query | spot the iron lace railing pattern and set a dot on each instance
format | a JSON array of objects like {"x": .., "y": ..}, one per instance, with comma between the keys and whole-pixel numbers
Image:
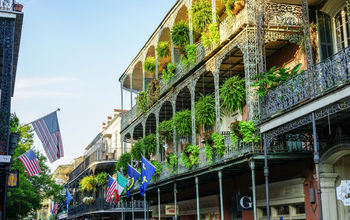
[
  {"x": 7, "y": 5},
  {"x": 322, "y": 78}
]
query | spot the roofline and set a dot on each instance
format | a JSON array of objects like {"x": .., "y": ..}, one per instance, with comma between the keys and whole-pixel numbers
[{"x": 149, "y": 39}]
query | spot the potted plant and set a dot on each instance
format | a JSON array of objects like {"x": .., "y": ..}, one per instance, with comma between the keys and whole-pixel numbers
[
  {"x": 172, "y": 162},
  {"x": 190, "y": 155},
  {"x": 233, "y": 7},
  {"x": 17, "y": 7}
]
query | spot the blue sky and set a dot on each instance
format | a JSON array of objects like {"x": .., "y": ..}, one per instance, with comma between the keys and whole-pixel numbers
[{"x": 71, "y": 56}]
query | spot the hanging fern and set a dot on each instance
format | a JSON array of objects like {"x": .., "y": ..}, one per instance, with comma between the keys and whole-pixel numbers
[
  {"x": 180, "y": 35},
  {"x": 101, "y": 179},
  {"x": 163, "y": 49},
  {"x": 190, "y": 155},
  {"x": 137, "y": 150},
  {"x": 168, "y": 72},
  {"x": 172, "y": 160},
  {"x": 214, "y": 146},
  {"x": 233, "y": 94},
  {"x": 182, "y": 122},
  {"x": 141, "y": 102},
  {"x": 165, "y": 129},
  {"x": 212, "y": 36},
  {"x": 205, "y": 110},
  {"x": 149, "y": 144},
  {"x": 158, "y": 166},
  {"x": 244, "y": 131},
  {"x": 190, "y": 56},
  {"x": 87, "y": 184},
  {"x": 150, "y": 65},
  {"x": 153, "y": 92},
  {"x": 201, "y": 14},
  {"x": 122, "y": 163}
]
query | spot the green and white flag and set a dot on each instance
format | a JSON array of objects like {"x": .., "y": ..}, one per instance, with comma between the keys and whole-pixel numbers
[{"x": 121, "y": 184}]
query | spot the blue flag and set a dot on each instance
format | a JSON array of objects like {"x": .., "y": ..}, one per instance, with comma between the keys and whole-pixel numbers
[
  {"x": 133, "y": 176},
  {"x": 147, "y": 171},
  {"x": 68, "y": 198}
]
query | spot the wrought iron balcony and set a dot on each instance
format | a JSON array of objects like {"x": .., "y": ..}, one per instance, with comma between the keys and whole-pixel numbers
[
  {"x": 315, "y": 82},
  {"x": 10, "y": 5}
]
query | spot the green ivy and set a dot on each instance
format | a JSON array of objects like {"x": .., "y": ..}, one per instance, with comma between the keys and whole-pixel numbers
[
  {"x": 150, "y": 64},
  {"x": 190, "y": 155},
  {"x": 182, "y": 122},
  {"x": 201, "y": 14},
  {"x": 163, "y": 49},
  {"x": 244, "y": 130},
  {"x": 273, "y": 78},
  {"x": 101, "y": 179},
  {"x": 212, "y": 37},
  {"x": 141, "y": 102},
  {"x": 180, "y": 35},
  {"x": 172, "y": 162},
  {"x": 123, "y": 161},
  {"x": 205, "y": 110},
  {"x": 165, "y": 129},
  {"x": 233, "y": 94},
  {"x": 158, "y": 166},
  {"x": 168, "y": 72}
]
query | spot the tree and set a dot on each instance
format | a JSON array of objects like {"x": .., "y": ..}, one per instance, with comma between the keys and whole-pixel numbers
[{"x": 27, "y": 198}]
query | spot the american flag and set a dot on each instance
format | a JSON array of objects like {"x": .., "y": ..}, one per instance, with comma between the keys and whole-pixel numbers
[
  {"x": 30, "y": 162},
  {"x": 53, "y": 207},
  {"x": 112, "y": 187},
  {"x": 49, "y": 133}
]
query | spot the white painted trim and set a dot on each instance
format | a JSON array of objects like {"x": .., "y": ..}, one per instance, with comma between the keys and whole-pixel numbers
[
  {"x": 7, "y": 15},
  {"x": 306, "y": 109}
]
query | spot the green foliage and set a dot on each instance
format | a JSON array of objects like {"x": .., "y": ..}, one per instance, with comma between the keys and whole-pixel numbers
[
  {"x": 201, "y": 13},
  {"x": 101, "y": 179},
  {"x": 180, "y": 35},
  {"x": 168, "y": 72},
  {"x": 87, "y": 184},
  {"x": 244, "y": 130},
  {"x": 273, "y": 78},
  {"x": 153, "y": 92},
  {"x": 14, "y": 123},
  {"x": 163, "y": 49},
  {"x": 233, "y": 94},
  {"x": 122, "y": 163},
  {"x": 150, "y": 65},
  {"x": 172, "y": 162},
  {"x": 141, "y": 102},
  {"x": 182, "y": 122},
  {"x": 190, "y": 56},
  {"x": 158, "y": 166},
  {"x": 150, "y": 145},
  {"x": 205, "y": 110},
  {"x": 189, "y": 156},
  {"x": 27, "y": 197},
  {"x": 165, "y": 129},
  {"x": 233, "y": 6},
  {"x": 215, "y": 146},
  {"x": 137, "y": 150},
  {"x": 212, "y": 37}
]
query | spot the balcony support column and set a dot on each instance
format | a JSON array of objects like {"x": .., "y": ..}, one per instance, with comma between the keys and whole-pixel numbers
[
  {"x": 307, "y": 36},
  {"x": 213, "y": 8},
  {"x": 193, "y": 118},
  {"x": 156, "y": 73},
  {"x": 197, "y": 197},
  {"x": 144, "y": 206},
  {"x": 173, "y": 103},
  {"x": 172, "y": 51},
  {"x": 266, "y": 174},
  {"x": 221, "y": 195},
  {"x": 143, "y": 79},
  {"x": 217, "y": 101},
  {"x": 252, "y": 167},
  {"x": 158, "y": 203},
  {"x": 122, "y": 96},
  {"x": 132, "y": 208},
  {"x": 131, "y": 101},
  {"x": 122, "y": 210},
  {"x": 131, "y": 143},
  {"x": 190, "y": 27},
  {"x": 157, "y": 135},
  {"x": 175, "y": 201}
]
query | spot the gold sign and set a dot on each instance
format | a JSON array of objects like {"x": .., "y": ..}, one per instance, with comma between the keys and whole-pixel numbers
[
  {"x": 170, "y": 209},
  {"x": 13, "y": 179}
]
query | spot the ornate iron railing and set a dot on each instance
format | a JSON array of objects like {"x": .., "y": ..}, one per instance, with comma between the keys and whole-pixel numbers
[
  {"x": 312, "y": 83},
  {"x": 7, "y": 5}
]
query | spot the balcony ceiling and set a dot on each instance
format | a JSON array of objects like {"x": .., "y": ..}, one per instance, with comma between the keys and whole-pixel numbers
[{"x": 297, "y": 2}]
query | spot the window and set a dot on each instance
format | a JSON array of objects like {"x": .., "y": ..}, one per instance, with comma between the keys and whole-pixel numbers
[
  {"x": 324, "y": 34},
  {"x": 342, "y": 29}
]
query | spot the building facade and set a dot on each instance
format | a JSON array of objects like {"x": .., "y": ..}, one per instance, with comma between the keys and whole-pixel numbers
[
  {"x": 11, "y": 19},
  {"x": 299, "y": 167}
]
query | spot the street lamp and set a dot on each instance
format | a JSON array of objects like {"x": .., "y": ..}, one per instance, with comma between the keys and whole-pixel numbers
[{"x": 13, "y": 142}]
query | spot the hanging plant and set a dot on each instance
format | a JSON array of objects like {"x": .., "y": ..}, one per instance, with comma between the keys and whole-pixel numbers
[
  {"x": 101, "y": 179},
  {"x": 88, "y": 200},
  {"x": 150, "y": 65},
  {"x": 233, "y": 7},
  {"x": 201, "y": 14},
  {"x": 122, "y": 163},
  {"x": 87, "y": 184},
  {"x": 205, "y": 110},
  {"x": 149, "y": 144},
  {"x": 165, "y": 129},
  {"x": 153, "y": 92},
  {"x": 189, "y": 156},
  {"x": 172, "y": 162},
  {"x": 137, "y": 150},
  {"x": 158, "y": 166},
  {"x": 141, "y": 102},
  {"x": 163, "y": 49},
  {"x": 233, "y": 94},
  {"x": 190, "y": 55},
  {"x": 168, "y": 72},
  {"x": 244, "y": 131},
  {"x": 214, "y": 146},
  {"x": 180, "y": 35},
  {"x": 273, "y": 78},
  {"x": 182, "y": 122},
  {"x": 211, "y": 36}
]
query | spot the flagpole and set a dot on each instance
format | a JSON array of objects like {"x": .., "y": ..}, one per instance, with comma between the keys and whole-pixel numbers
[
  {"x": 57, "y": 110},
  {"x": 144, "y": 206}
]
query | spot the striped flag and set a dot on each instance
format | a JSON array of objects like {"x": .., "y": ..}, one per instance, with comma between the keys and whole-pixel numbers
[
  {"x": 121, "y": 184},
  {"x": 112, "y": 186},
  {"x": 49, "y": 133},
  {"x": 53, "y": 207},
  {"x": 30, "y": 162}
]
